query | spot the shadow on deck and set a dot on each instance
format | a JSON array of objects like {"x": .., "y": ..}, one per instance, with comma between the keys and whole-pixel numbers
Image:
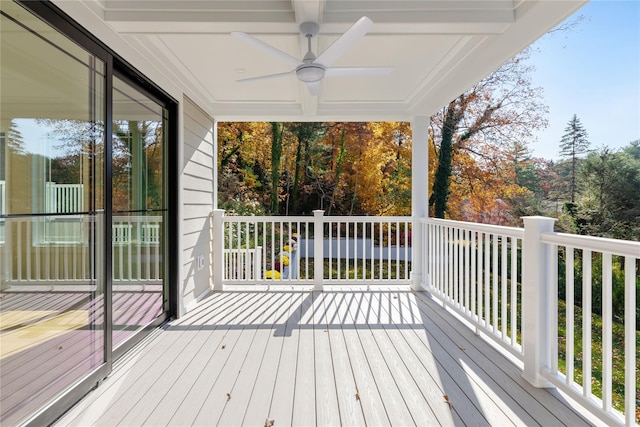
[{"x": 332, "y": 358}]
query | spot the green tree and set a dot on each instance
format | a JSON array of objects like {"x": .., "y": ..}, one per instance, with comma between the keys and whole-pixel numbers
[
  {"x": 484, "y": 121},
  {"x": 609, "y": 203},
  {"x": 574, "y": 143}
]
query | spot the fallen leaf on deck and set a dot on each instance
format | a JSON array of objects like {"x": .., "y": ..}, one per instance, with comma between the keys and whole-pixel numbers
[
  {"x": 446, "y": 399},
  {"x": 357, "y": 396},
  {"x": 269, "y": 423},
  {"x": 462, "y": 348},
  {"x": 223, "y": 347},
  {"x": 228, "y": 397}
]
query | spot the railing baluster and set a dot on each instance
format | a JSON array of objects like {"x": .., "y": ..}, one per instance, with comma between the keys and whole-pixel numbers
[
  {"x": 454, "y": 266},
  {"x": 372, "y": 230},
  {"x": 406, "y": 250},
  {"x": 552, "y": 303},
  {"x": 473, "y": 255},
  {"x": 569, "y": 313},
  {"x": 494, "y": 291},
  {"x": 388, "y": 250},
  {"x": 586, "y": 323},
  {"x": 397, "y": 250},
  {"x": 503, "y": 287},
  {"x": 607, "y": 299},
  {"x": 514, "y": 291},
  {"x": 480, "y": 276},
  {"x": 630, "y": 344},
  {"x": 466, "y": 234},
  {"x": 487, "y": 280}
]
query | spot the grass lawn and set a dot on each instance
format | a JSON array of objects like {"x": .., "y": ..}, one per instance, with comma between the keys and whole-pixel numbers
[{"x": 596, "y": 355}]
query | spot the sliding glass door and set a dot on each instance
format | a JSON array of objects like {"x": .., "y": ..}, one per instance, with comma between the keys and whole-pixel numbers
[
  {"x": 84, "y": 212},
  {"x": 139, "y": 210},
  {"x": 52, "y": 218}
]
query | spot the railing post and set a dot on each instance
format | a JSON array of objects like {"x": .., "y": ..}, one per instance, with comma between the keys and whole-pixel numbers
[
  {"x": 536, "y": 339},
  {"x": 318, "y": 250},
  {"x": 217, "y": 249}
]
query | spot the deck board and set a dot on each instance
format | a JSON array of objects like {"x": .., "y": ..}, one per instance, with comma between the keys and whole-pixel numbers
[
  {"x": 300, "y": 358},
  {"x": 304, "y": 398},
  {"x": 545, "y": 407},
  {"x": 235, "y": 408},
  {"x": 257, "y": 408},
  {"x": 370, "y": 400},
  {"x": 281, "y": 405},
  {"x": 348, "y": 397}
]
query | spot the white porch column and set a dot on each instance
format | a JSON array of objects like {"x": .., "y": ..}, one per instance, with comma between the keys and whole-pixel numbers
[
  {"x": 215, "y": 164},
  {"x": 536, "y": 342},
  {"x": 217, "y": 250},
  {"x": 419, "y": 198}
]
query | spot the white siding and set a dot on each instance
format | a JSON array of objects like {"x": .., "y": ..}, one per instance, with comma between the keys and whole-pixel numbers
[{"x": 197, "y": 201}]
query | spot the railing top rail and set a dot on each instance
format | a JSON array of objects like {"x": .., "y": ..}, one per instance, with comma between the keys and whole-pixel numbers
[
  {"x": 364, "y": 218},
  {"x": 483, "y": 228},
  {"x": 310, "y": 218},
  {"x": 596, "y": 244},
  {"x": 263, "y": 218}
]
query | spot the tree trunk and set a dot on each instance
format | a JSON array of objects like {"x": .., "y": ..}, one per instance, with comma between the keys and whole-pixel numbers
[
  {"x": 341, "y": 154},
  {"x": 303, "y": 147},
  {"x": 355, "y": 185},
  {"x": 276, "y": 153},
  {"x": 443, "y": 172}
]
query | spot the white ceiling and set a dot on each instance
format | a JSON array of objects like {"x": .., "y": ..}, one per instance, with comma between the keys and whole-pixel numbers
[{"x": 438, "y": 49}]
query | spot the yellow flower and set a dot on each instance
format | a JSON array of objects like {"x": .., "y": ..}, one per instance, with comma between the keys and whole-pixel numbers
[
  {"x": 272, "y": 274},
  {"x": 286, "y": 248},
  {"x": 284, "y": 259}
]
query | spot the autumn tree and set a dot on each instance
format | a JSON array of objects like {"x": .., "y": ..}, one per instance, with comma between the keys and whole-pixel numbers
[
  {"x": 480, "y": 123},
  {"x": 307, "y": 135},
  {"x": 574, "y": 143}
]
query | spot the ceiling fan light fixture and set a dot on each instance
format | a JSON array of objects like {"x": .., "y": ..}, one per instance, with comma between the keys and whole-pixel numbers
[{"x": 310, "y": 73}]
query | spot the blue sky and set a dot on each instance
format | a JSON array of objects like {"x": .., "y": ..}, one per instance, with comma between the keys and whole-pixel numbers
[{"x": 593, "y": 71}]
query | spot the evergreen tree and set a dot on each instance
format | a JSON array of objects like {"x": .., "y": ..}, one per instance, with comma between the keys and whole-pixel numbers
[{"x": 573, "y": 144}]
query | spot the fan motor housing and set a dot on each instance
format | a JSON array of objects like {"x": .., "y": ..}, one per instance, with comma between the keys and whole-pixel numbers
[{"x": 310, "y": 72}]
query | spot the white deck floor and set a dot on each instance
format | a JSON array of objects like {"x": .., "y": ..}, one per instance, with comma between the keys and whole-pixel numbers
[{"x": 333, "y": 358}]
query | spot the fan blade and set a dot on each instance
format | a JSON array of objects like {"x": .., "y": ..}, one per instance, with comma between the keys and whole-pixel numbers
[
  {"x": 345, "y": 41},
  {"x": 268, "y": 77},
  {"x": 314, "y": 88},
  {"x": 357, "y": 71},
  {"x": 267, "y": 48}
]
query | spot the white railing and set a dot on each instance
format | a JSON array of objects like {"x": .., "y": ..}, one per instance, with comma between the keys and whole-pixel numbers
[
  {"x": 506, "y": 282},
  {"x": 594, "y": 271},
  {"x": 137, "y": 255},
  {"x": 3, "y": 208},
  {"x": 3, "y": 198},
  {"x": 244, "y": 264},
  {"x": 476, "y": 270},
  {"x": 369, "y": 250},
  {"x": 314, "y": 250},
  {"x": 264, "y": 250},
  {"x": 64, "y": 198},
  {"x": 64, "y": 260}
]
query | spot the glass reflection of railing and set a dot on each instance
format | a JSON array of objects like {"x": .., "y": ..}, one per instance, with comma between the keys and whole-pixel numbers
[
  {"x": 56, "y": 249},
  {"x": 3, "y": 209}
]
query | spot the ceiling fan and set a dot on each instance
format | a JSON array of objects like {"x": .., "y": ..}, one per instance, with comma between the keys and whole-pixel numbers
[{"x": 311, "y": 69}]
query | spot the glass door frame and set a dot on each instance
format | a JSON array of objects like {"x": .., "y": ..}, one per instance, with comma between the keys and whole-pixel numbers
[
  {"x": 51, "y": 14},
  {"x": 120, "y": 71}
]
